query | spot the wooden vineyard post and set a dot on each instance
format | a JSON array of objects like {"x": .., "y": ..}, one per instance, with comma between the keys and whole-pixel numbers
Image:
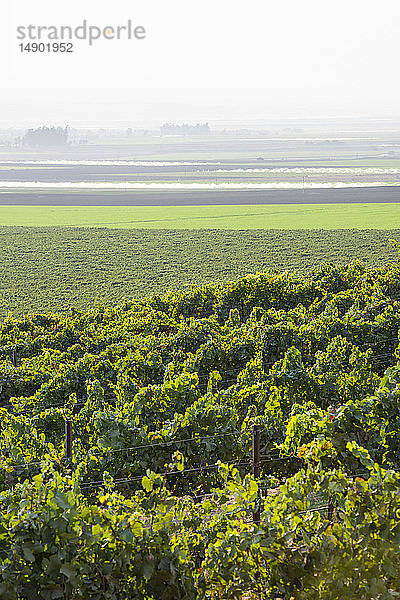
[
  {"x": 68, "y": 441},
  {"x": 330, "y": 509},
  {"x": 14, "y": 358},
  {"x": 256, "y": 467}
]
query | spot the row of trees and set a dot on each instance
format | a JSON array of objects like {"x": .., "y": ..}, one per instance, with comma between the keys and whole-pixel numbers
[
  {"x": 45, "y": 137},
  {"x": 185, "y": 129},
  {"x": 58, "y": 136}
]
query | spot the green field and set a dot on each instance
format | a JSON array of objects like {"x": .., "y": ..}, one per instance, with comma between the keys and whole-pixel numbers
[
  {"x": 49, "y": 269},
  {"x": 287, "y": 216}
]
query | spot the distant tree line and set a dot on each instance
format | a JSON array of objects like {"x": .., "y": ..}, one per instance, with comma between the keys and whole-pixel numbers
[
  {"x": 46, "y": 136},
  {"x": 185, "y": 129}
]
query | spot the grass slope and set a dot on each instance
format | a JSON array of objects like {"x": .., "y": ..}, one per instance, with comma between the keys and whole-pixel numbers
[
  {"x": 50, "y": 269},
  {"x": 300, "y": 216}
]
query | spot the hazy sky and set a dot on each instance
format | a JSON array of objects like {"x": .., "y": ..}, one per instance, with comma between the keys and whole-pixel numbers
[{"x": 213, "y": 59}]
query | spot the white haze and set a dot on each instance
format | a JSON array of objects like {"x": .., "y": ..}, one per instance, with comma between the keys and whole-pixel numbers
[
  {"x": 313, "y": 171},
  {"x": 96, "y": 185},
  {"x": 209, "y": 60},
  {"x": 109, "y": 163}
]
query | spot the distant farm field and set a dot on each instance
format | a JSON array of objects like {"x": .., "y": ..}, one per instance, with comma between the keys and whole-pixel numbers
[
  {"x": 234, "y": 217},
  {"x": 51, "y": 269}
]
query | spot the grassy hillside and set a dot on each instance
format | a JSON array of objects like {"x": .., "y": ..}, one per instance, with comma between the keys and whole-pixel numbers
[
  {"x": 49, "y": 269},
  {"x": 374, "y": 215}
]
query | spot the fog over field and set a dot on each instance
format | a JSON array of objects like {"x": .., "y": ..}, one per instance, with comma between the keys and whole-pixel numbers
[
  {"x": 219, "y": 62},
  {"x": 131, "y": 166}
]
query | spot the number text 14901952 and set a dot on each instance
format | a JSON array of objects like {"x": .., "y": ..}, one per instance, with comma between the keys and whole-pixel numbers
[{"x": 46, "y": 47}]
